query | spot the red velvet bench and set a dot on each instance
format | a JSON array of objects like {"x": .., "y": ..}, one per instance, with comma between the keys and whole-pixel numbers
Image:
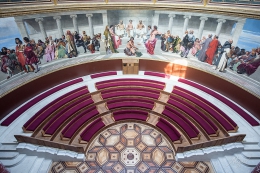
[
  {"x": 40, "y": 97},
  {"x": 130, "y": 102},
  {"x": 236, "y": 108},
  {"x": 130, "y": 114},
  {"x": 46, "y": 111},
  {"x": 173, "y": 134},
  {"x": 163, "y": 75},
  {"x": 103, "y": 74}
]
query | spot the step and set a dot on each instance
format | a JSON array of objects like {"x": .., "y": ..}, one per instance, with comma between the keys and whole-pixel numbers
[
  {"x": 225, "y": 165},
  {"x": 237, "y": 166},
  {"x": 37, "y": 165},
  {"x": 252, "y": 147},
  {"x": 45, "y": 166},
  {"x": 216, "y": 166},
  {"x": 8, "y": 155},
  {"x": 246, "y": 161},
  {"x": 13, "y": 162},
  {"x": 24, "y": 166},
  {"x": 8, "y": 147},
  {"x": 251, "y": 154}
]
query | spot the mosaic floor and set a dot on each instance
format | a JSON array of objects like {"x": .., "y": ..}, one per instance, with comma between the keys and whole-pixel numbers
[{"x": 130, "y": 148}]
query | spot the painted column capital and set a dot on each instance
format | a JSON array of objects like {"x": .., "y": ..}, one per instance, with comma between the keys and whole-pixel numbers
[
  {"x": 221, "y": 20},
  {"x": 89, "y": 15},
  {"x": 187, "y": 17},
  {"x": 39, "y": 20},
  {"x": 172, "y": 15},
  {"x": 57, "y": 17},
  {"x": 203, "y": 18},
  {"x": 73, "y": 16}
]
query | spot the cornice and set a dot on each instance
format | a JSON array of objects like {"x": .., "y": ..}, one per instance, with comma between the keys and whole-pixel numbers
[{"x": 232, "y": 10}]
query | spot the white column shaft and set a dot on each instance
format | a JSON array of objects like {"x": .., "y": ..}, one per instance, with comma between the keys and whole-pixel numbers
[
  {"x": 186, "y": 23},
  {"x": 105, "y": 21},
  {"x": 22, "y": 29},
  {"x": 202, "y": 23},
  {"x": 58, "y": 21},
  {"x": 90, "y": 26},
  {"x": 156, "y": 19},
  {"x": 237, "y": 32},
  {"x": 170, "y": 23},
  {"x": 75, "y": 23},
  {"x": 218, "y": 29}
]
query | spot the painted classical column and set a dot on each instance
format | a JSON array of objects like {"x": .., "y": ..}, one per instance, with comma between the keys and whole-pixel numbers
[
  {"x": 40, "y": 20},
  {"x": 90, "y": 25},
  {"x": 202, "y": 23},
  {"x": 186, "y": 22},
  {"x": 22, "y": 29},
  {"x": 105, "y": 21},
  {"x": 220, "y": 22},
  {"x": 60, "y": 31},
  {"x": 156, "y": 19},
  {"x": 75, "y": 22},
  {"x": 171, "y": 16},
  {"x": 238, "y": 30}
]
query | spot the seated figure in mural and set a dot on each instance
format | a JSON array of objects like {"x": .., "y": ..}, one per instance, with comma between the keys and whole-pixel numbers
[
  {"x": 71, "y": 47},
  {"x": 109, "y": 44},
  {"x": 140, "y": 29},
  {"x": 244, "y": 63},
  {"x": 6, "y": 64},
  {"x": 79, "y": 41},
  {"x": 19, "y": 53},
  {"x": 237, "y": 61},
  {"x": 226, "y": 52},
  {"x": 130, "y": 29},
  {"x": 120, "y": 29},
  {"x": 131, "y": 49},
  {"x": 31, "y": 59},
  {"x": 115, "y": 38},
  {"x": 151, "y": 42}
]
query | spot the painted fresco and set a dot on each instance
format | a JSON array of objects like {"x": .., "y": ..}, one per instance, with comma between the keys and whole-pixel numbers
[{"x": 34, "y": 40}]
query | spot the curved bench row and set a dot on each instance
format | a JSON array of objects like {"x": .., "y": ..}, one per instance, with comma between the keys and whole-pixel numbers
[
  {"x": 236, "y": 108},
  {"x": 40, "y": 97}
]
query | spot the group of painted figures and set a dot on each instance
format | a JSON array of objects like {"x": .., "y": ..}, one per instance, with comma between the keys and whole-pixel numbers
[{"x": 28, "y": 54}]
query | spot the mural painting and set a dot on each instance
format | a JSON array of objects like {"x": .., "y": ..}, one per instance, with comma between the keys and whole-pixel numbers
[{"x": 225, "y": 42}]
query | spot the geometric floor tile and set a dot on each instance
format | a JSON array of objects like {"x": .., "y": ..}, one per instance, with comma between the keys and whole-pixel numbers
[{"x": 130, "y": 148}]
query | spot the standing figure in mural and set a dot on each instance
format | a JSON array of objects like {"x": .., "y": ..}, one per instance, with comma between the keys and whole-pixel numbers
[
  {"x": 120, "y": 29},
  {"x": 19, "y": 53},
  {"x": 6, "y": 63},
  {"x": 31, "y": 59},
  {"x": 61, "y": 47},
  {"x": 147, "y": 35},
  {"x": 71, "y": 47},
  {"x": 223, "y": 57},
  {"x": 39, "y": 51},
  {"x": 188, "y": 42},
  {"x": 130, "y": 29},
  {"x": 176, "y": 44},
  {"x": 84, "y": 38},
  {"x": 151, "y": 42},
  {"x": 109, "y": 44},
  {"x": 49, "y": 51},
  {"x": 115, "y": 38},
  {"x": 96, "y": 41},
  {"x": 79, "y": 41},
  {"x": 210, "y": 53},
  {"x": 196, "y": 47},
  {"x": 169, "y": 41},
  {"x": 205, "y": 45},
  {"x": 140, "y": 29},
  {"x": 12, "y": 56}
]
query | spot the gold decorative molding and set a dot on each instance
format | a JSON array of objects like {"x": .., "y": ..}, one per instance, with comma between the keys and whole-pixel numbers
[{"x": 231, "y": 10}]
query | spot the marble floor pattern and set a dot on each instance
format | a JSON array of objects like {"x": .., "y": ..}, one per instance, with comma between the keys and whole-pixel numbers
[{"x": 130, "y": 148}]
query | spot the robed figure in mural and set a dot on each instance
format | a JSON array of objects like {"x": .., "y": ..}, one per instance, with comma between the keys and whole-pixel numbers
[
  {"x": 210, "y": 53},
  {"x": 151, "y": 42},
  {"x": 205, "y": 44},
  {"x": 31, "y": 59},
  {"x": 19, "y": 53},
  {"x": 109, "y": 44},
  {"x": 71, "y": 47}
]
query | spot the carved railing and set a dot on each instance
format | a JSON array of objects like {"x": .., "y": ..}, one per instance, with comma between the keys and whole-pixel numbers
[
  {"x": 52, "y": 144},
  {"x": 217, "y": 142}
]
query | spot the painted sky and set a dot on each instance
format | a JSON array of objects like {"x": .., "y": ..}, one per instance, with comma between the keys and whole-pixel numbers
[{"x": 249, "y": 38}]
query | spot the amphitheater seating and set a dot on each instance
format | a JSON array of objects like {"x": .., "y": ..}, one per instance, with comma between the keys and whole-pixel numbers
[
  {"x": 46, "y": 111},
  {"x": 78, "y": 121},
  {"x": 216, "y": 113},
  {"x": 194, "y": 115},
  {"x": 163, "y": 75},
  {"x": 103, "y": 74},
  {"x": 65, "y": 114},
  {"x": 130, "y": 102},
  {"x": 40, "y": 97},
  {"x": 130, "y": 82},
  {"x": 168, "y": 129},
  {"x": 90, "y": 131},
  {"x": 183, "y": 122},
  {"x": 236, "y": 108},
  {"x": 122, "y": 91},
  {"x": 130, "y": 114}
]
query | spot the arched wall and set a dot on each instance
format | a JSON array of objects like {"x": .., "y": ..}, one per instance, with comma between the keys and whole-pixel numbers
[{"x": 23, "y": 93}]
